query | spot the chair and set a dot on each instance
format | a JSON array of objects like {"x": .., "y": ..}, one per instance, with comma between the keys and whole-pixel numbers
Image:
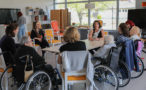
[
  {"x": 55, "y": 27},
  {"x": 74, "y": 65},
  {"x": 50, "y": 37}
]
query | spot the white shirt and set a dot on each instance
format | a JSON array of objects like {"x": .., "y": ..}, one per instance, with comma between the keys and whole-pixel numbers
[{"x": 135, "y": 37}]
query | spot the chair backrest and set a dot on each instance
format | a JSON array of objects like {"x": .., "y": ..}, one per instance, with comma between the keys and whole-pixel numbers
[
  {"x": 54, "y": 25},
  {"x": 2, "y": 62},
  {"x": 49, "y": 33},
  {"x": 74, "y": 60}
]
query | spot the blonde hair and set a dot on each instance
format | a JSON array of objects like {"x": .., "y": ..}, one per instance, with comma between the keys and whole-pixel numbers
[
  {"x": 71, "y": 35},
  {"x": 134, "y": 31},
  {"x": 109, "y": 39}
]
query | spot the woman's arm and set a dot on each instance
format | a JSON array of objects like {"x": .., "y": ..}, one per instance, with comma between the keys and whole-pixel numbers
[
  {"x": 90, "y": 36},
  {"x": 102, "y": 34}
]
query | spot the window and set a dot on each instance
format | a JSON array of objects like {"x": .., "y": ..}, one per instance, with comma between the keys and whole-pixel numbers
[
  {"x": 79, "y": 14},
  {"x": 124, "y": 5},
  {"x": 105, "y": 10}
]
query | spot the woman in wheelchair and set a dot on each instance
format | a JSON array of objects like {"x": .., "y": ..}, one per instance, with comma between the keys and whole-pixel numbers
[
  {"x": 124, "y": 34},
  {"x": 38, "y": 62},
  {"x": 134, "y": 33},
  {"x": 104, "y": 50},
  {"x": 8, "y": 44}
]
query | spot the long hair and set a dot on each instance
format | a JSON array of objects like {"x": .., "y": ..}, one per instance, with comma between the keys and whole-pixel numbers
[
  {"x": 124, "y": 29},
  {"x": 98, "y": 21}
]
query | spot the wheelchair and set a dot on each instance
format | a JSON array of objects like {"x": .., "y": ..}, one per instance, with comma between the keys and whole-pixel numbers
[
  {"x": 39, "y": 80},
  {"x": 115, "y": 76},
  {"x": 134, "y": 73}
]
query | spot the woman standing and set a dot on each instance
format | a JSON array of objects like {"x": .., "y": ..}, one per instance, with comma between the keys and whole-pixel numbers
[
  {"x": 21, "y": 23},
  {"x": 97, "y": 33}
]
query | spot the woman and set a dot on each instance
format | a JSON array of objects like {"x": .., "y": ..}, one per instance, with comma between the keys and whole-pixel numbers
[
  {"x": 7, "y": 43},
  {"x": 130, "y": 24},
  {"x": 134, "y": 33},
  {"x": 38, "y": 35},
  {"x": 21, "y": 22},
  {"x": 71, "y": 37},
  {"x": 97, "y": 33},
  {"x": 38, "y": 62},
  {"x": 124, "y": 33}
]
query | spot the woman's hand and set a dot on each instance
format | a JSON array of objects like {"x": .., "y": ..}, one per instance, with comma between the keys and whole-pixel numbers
[{"x": 40, "y": 39}]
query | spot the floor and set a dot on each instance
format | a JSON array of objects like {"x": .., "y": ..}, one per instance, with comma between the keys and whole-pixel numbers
[{"x": 135, "y": 84}]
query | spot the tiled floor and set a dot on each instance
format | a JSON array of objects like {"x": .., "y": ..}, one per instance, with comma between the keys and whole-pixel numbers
[{"x": 135, "y": 84}]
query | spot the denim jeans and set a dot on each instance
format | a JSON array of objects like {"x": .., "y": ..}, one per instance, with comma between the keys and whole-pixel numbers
[{"x": 21, "y": 32}]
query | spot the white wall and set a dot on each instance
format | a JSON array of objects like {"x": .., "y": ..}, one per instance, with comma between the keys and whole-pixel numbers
[
  {"x": 22, "y": 4},
  {"x": 139, "y": 3}
]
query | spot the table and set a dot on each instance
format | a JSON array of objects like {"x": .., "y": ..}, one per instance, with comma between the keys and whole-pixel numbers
[
  {"x": 89, "y": 45},
  {"x": 52, "y": 52}
]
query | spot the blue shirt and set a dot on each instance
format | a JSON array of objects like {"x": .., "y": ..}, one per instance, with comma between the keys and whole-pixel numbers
[{"x": 121, "y": 39}]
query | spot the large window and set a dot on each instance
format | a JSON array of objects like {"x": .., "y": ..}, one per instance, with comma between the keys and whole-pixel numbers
[
  {"x": 105, "y": 10},
  {"x": 79, "y": 14}
]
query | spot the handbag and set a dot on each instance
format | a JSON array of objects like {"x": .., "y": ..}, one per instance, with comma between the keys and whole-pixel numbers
[{"x": 27, "y": 74}]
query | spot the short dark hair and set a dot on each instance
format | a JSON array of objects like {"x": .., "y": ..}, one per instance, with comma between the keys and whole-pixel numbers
[
  {"x": 124, "y": 29},
  {"x": 10, "y": 28}
]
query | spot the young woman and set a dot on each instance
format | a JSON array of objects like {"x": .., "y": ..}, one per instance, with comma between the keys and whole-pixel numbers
[
  {"x": 97, "y": 33},
  {"x": 7, "y": 43},
  {"x": 124, "y": 33},
  {"x": 38, "y": 35}
]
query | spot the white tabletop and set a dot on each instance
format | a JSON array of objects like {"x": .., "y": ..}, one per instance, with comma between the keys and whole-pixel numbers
[{"x": 89, "y": 45}]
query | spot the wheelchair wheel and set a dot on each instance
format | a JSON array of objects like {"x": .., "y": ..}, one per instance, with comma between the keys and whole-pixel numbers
[
  {"x": 123, "y": 74},
  {"x": 105, "y": 78},
  {"x": 7, "y": 81},
  {"x": 39, "y": 81},
  {"x": 136, "y": 74}
]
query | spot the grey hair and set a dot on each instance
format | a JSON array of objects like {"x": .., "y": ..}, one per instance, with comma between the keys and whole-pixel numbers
[
  {"x": 24, "y": 40},
  {"x": 109, "y": 39}
]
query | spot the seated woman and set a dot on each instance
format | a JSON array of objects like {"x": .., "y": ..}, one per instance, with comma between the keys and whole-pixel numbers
[
  {"x": 38, "y": 35},
  {"x": 38, "y": 62},
  {"x": 8, "y": 44},
  {"x": 108, "y": 44},
  {"x": 124, "y": 34},
  {"x": 97, "y": 33},
  {"x": 130, "y": 24},
  {"x": 134, "y": 32},
  {"x": 72, "y": 37}
]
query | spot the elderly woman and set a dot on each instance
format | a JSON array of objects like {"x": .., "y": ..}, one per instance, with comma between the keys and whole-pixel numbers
[
  {"x": 38, "y": 62},
  {"x": 72, "y": 37},
  {"x": 97, "y": 33},
  {"x": 72, "y": 43},
  {"x": 130, "y": 24},
  {"x": 134, "y": 33}
]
